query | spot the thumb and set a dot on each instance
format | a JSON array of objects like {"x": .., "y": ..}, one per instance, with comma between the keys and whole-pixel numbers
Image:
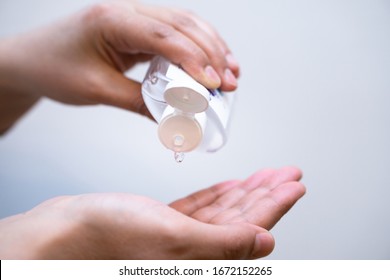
[
  {"x": 233, "y": 241},
  {"x": 121, "y": 92}
]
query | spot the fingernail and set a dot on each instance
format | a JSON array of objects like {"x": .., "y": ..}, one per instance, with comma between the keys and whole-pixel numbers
[
  {"x": 231, "y": 60},
  {"x": 264, "y": 244},
  {"x": 213, "y": 77},
  {"x": 230, "y": 78}
]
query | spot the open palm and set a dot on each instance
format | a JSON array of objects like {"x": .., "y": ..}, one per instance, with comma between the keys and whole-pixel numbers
[{"x": 227, "y": 221}]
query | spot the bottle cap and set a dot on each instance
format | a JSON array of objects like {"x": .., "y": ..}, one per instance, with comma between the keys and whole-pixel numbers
[
  {"x": 187, "y": 95},
  {"x": 180, "y": 133}
]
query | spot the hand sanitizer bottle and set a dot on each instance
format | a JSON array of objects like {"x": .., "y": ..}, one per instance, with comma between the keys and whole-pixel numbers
[{"x": 190, "y": 116}]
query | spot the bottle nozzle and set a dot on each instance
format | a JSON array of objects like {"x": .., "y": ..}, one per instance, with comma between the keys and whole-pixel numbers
[{"x": 180, "y": 133}]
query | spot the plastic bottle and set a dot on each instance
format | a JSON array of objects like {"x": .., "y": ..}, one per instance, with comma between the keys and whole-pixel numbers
[{"x": 190, "y": 116}]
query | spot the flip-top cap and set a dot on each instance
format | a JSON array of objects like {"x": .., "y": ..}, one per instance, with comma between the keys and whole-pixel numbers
[
  {"x": 187, "y": 95},
  {"x": 180, "y": 133}
]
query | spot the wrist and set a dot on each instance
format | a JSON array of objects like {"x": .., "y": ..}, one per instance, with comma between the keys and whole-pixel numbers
[
  {"x": 41, "y": 233},
  {"x": 15, "y": 95},
  {"x": 12, "y": 61}
]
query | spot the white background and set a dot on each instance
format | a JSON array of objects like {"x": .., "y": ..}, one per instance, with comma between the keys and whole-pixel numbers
[
  {"x": 314, "y": 93},
  {"x": 215, "y": 269}
]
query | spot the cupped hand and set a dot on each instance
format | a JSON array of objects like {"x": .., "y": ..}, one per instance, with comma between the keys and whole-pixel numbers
[
  {"x": 227, "y": 221},
  {"x": 261, "y": 200}
]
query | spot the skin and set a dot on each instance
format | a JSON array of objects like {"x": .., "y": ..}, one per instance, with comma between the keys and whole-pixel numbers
[
  {"x": 81, "y": 60},
  {"x": 227, "y": 221}
]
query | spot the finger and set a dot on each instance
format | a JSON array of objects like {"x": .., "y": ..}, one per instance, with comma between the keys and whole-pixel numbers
[
  {"x": 162, "y": 39},
  {"x": 204, "y": 36},
  {"x": 113, "y": 88},
  {"x": 233, "y": 241},
  {"x": 230, "y": 203},
  {"x": 232, "y": 62},
  {"x": 202, "y": 198},
  {"x": 263, "y": 208},
  {"x": 271, "y": 177},
  {"x": 190, "y": 25},
  {"x": 280, "y": 201},
  {"x": 228, "y": 82}
]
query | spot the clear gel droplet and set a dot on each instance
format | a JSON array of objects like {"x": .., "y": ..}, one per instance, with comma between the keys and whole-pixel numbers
[{"x": 179, "y": 156}]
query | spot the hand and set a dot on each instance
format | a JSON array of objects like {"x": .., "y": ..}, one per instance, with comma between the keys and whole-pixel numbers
[
  {"x": 227, "y": 221},
  {"x": 81, "y": 60}
]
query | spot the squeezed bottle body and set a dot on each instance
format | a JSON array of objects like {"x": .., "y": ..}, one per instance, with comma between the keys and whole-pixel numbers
[{"x": 190, "y": 117}]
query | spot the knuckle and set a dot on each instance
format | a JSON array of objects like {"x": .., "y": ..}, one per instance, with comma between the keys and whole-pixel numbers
[
  {"x": 217, "y": 57},
  {"x": 195, "y": 57},
  {"x": 162, "y": 31},
  {"x": 98, "y": 10},
  {"x": 281, "y": 206},
  {"x": 236, "y": 248},
  {"x": 184, "y": 21}
]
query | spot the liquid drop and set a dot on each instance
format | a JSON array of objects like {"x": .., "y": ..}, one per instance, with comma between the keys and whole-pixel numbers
[{"x": 179, "y": 156}]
